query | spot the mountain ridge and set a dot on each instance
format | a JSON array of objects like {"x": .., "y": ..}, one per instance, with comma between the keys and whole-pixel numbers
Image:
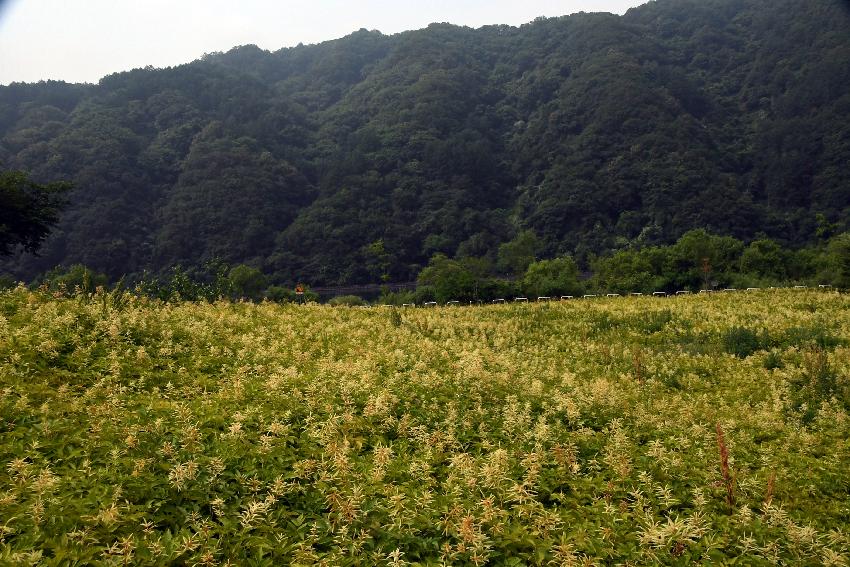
[{"x": 358, "y": 158}]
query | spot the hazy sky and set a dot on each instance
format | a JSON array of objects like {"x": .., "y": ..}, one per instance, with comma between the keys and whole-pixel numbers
[{"x": 83, "y": 40}]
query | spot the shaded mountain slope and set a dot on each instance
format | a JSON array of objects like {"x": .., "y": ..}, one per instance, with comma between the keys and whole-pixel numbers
[{"x": 362, "y": 157}]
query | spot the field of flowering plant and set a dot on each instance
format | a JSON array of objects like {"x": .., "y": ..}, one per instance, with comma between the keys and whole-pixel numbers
[{"x": 623, "y": 431}]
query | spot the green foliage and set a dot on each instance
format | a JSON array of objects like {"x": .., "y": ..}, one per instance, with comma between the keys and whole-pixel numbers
[
  {"x": 814, "y": 336},
  {"x": 451, "y": 280},
  {"x": 281, "y": 294},
  {"x": 28, "y": 210},
  {"x": 357, "y": 160},
  {"x": 701, "y": 260},
  {"x": 825, "y": 228},
  {"x": 655, "y": 321},
  {"x": 517, "y": 255},
  {"x": 817, "y": 382},
  {"x": 138, "y": 432},
  {"x": 347, "y": 301},
  {"x": 631, "y": 271},
  {"x": 247, "y": 282},
  {"x": 838, "y": 258},
  {"x": 399, "y": 298},
  {"x": 766, "y": 259},
  {"x": 552, "y": 278},
  {"x": 773, "y": 361},
  {"x": 210, "y": 284},
  {"x": 76, "y": 277},
  {"x": 820, "y": 378},
  {"x": 378, "y": 260},
  {"x": 741, "y": 341}
]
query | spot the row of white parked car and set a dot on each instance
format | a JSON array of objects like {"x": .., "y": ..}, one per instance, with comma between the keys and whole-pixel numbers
[{"x": 592, "y": 296}]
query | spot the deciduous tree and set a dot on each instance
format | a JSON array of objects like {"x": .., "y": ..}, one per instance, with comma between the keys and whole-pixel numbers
[{"x": 28, "y": 210}]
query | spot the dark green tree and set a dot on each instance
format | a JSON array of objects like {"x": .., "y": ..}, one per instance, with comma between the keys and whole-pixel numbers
[
  {"x": 701, "y": 259},
  {"x": 247, "y": 282},
  {"x": 28, "y": 210},
  {"x": 630, "y": 271},
  {"x": 555, "y": 277},
  {"x": 378, "y": 260},
  {"x": 838, "y": 258},
  {"x": 451, "y": 280},
  {"x": 764, "y": 258},
  {"x": 515, "y": 256}
]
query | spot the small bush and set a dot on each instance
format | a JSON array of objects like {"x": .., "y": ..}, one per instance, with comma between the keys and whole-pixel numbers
[
  {"x": 741, "y": 342},
  {"x": 647, "y": 323},
  {"x": 773, "y": 360},
  {"x": 820, "y": 377},
  {"x": 818, "y": 382},
  {"x": 6, "y": 282},
  {"x": 606, "y": 322},
  {"x": 280, "y": 294},
  {"x": 77, "y": 278},
  {"x": 815, "y": 336},
  {"x": 207, "y": 284},
  {"x": 395, "y": 317},
  {"x": 347, "y": 301},
  {"x": 397, "y": 298},
  {"x": 655, "y": 321},
  {"x": 423, "y": 294}
]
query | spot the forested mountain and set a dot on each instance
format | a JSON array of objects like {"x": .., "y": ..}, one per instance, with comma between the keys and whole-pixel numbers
[{"x": 360, "y": 158}]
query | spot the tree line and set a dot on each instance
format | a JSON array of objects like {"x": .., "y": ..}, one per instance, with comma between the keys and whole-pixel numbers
[{"x": 698, "y": 261}]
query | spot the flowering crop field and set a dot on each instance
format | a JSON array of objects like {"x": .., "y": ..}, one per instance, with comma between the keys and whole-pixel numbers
[{"x": 699, "y": 429}]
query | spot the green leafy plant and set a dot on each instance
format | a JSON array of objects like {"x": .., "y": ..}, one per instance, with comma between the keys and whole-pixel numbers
[
  {"x": 741, "y": 341},
  {"x": 139, "y": 431},
  {"x": 347, "y": 300}
]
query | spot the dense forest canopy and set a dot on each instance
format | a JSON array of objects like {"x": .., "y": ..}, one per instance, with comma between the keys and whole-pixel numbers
[{"x": 359, "y": 159}]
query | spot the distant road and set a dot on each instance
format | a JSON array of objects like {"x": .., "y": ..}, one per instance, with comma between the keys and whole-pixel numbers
[{"x": 362, "y": 289}]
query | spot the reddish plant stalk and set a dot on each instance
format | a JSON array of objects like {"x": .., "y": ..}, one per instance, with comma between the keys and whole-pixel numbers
[
  {"x": 771, "y": 485},
  {"x": 728, "y": 480},
  {"x": 637, "y": 363}
]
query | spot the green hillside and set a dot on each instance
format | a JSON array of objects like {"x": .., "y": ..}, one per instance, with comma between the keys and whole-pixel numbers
[{"x": 597, "y": 132}]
